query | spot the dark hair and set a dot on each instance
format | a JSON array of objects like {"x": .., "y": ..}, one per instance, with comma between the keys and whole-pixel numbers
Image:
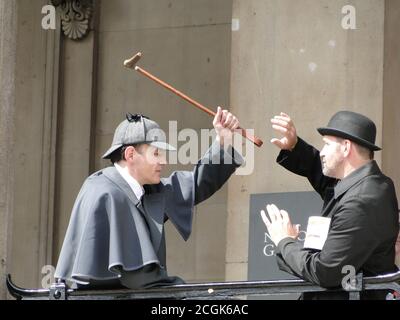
[
  {"x": 364, "y": 152},
  {"x": 119, "y": 154}
]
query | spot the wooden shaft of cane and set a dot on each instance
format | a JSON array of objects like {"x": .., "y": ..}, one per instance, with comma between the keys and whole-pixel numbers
[{"x": 257, "y": 141}]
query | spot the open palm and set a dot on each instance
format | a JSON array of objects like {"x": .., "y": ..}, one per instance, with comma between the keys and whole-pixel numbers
[{"x": 285, "y": 126}]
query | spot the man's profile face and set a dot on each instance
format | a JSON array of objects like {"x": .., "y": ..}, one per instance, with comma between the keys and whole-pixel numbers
[
  {"x": 148, "y": 162},
  {"x": 332, "y": 157}
]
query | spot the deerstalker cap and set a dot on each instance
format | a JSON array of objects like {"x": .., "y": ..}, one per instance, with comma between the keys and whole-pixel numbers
[{"x": 138, "y": 129}]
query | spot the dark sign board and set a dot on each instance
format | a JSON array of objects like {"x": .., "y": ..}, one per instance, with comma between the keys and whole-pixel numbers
[
  {"x": 300, "y": 205},
  {"x": 262, "y": 262}
]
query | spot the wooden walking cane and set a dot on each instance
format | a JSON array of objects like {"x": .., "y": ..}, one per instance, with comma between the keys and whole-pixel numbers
[{"x": 131, "y": 64}]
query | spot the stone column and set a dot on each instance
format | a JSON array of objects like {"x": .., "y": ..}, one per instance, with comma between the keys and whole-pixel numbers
[
  {"x": 76, "y": 123},
  {"x": 391, "y": 78},
  {"x": 391, "y": 111},
  {"x": 295, "y": 57},
  {"x": 7, "y": 99}
]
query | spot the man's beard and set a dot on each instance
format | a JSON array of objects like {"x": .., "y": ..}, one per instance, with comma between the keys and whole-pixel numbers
[
  {"x": 327, "y": 172},
  {"x": 333, "y": 170}
]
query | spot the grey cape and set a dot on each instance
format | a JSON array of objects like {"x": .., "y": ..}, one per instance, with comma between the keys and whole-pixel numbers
[{"x": 110, "y": 229}]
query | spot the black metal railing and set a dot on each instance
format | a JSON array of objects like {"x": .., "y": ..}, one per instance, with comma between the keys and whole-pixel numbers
[{"x": 211, "y": 290}]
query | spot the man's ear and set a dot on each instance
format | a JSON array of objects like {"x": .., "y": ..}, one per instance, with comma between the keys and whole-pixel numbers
[
  {"x": 347, "y": 147},
  {"x": 129, "y": 153}
]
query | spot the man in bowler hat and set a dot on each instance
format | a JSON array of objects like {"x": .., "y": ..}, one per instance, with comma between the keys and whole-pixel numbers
[
  {"x": 116, "y": 236},
  {"x": 358, "y": 198}
]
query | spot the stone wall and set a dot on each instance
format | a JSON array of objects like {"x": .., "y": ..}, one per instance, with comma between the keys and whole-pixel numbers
[
  {"x": 8, "y": 18},
  {"x": 295, "y": 57}
]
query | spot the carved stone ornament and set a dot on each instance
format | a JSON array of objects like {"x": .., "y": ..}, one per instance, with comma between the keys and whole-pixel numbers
[{"x": 75, "y": 17}]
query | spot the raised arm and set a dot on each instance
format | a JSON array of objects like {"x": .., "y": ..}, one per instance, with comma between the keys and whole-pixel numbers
[{"x": 297, "y": 156}]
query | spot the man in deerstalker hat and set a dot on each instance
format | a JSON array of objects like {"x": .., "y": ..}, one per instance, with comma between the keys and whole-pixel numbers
[
  {"x": 116, "y": 232},
  {"x": 360, "y": 201}
]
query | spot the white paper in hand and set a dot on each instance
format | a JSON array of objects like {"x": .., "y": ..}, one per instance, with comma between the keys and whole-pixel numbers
[{"x": 317, "y": 232}]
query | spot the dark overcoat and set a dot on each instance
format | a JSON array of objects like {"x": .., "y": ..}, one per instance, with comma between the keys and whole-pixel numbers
[{"x": 364, "y": 222}]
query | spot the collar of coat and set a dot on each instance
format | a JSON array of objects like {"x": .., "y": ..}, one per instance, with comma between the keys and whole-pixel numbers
[
  {"x": 369, "y": 169},
  {"x": 154, "y": 202}
]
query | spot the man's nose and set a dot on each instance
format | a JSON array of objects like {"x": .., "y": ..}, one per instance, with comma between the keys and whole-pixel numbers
[{"x": 163, "y": 160}]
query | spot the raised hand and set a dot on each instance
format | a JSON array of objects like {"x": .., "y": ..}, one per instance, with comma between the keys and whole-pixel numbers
[
  {"x": 278, "y": 224},
  {"x": 285, "y": 126},
  {"x": 225, "y": 124}
]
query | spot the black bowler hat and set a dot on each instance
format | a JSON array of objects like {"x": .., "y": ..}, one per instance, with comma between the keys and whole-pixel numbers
[{"x": 352, "y": 126}]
